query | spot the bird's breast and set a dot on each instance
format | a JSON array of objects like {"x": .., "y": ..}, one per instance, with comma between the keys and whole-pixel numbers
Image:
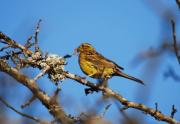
[
  {"x": 93, "y": 69},
  {"x": 86, "y": 66}
]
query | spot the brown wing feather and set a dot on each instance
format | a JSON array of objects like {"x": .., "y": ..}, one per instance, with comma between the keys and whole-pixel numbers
[{"x": 100, "y": 60}]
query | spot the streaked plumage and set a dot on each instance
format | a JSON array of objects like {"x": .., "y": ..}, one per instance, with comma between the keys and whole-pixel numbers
[{"x": 97, "y": 66}]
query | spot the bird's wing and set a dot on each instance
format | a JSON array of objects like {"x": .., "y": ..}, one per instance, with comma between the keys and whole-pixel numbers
[{"x": 100, "y": 60}]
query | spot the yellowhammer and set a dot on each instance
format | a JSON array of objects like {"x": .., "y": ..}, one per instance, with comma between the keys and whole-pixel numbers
[{"x": 97, "y": 66}]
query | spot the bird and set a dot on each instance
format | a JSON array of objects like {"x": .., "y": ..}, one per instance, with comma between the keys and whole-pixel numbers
[{"x": 96, "y": 66}]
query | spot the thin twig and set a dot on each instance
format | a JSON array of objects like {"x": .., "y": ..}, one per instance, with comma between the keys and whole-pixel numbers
[
  {"x": 10, "y": 55},
  {"x": 2, "y": 41},
  {"x": 28, "y": 43},
  {"x": 18, "y": 112},
  {"x": 43, "y": 72},
  {"x": 174, "y": 40},
  {"x": 105, "y": 109},
  {"x": 36, "y": 36},
  {"x": 54, "y": 97},
  {"x": 5, "y": 47},
  {"x": 55, "y": 109},
  {"x": 154, "y": 113},
  {"x": 14, "y": 44},
  {"x": 28, "y": 102}
]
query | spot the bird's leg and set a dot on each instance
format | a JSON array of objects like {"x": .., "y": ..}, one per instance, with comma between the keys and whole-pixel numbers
[
  {"x": 103, "y": 74},
  {"x": 103, "y": 79},
  {"x": 105, "y": 82}
]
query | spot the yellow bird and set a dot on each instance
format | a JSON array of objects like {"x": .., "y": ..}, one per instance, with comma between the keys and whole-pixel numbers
[{"x": 97, "y": 66}]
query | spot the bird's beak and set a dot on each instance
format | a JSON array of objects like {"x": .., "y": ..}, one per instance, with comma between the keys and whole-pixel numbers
[{"x": 75, "y": 51}]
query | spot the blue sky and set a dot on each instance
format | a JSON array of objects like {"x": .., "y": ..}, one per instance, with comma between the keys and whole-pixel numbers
[{"x": 119, "y": 29}]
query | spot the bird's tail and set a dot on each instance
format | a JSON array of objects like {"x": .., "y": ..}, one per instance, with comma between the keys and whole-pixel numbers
[{"x": 119, "y": 73}]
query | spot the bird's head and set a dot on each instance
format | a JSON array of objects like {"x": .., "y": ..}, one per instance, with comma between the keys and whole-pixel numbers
[{"x": 84, "y": 47}]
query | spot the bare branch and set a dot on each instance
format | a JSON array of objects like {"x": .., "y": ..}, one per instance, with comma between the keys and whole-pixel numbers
[
  {"x": 28, "y": 102},
  {"x": 44, "y": 71},
  {"x": 36, "y": 36},
  {"x": 14, "y": 44},
  {"x": 54, "y": 108},
  {"x": 9, "y": 55},
  {"x": 154, "y": 113},
  {"x": 54, "y": 67},
  {"x": 28, "y": 44},
  {"x": 174, "y": 40},
  {"x": 3, "y": 48},
  {"x": 2, "y": 41},
  {"x": 18, "y": 112}
]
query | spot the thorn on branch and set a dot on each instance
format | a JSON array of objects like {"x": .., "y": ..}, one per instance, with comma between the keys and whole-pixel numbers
[
  {"x": 156, "y": 106},
  {"x": 173, "y": 111},
  {"x": 156, "y": 110}
]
